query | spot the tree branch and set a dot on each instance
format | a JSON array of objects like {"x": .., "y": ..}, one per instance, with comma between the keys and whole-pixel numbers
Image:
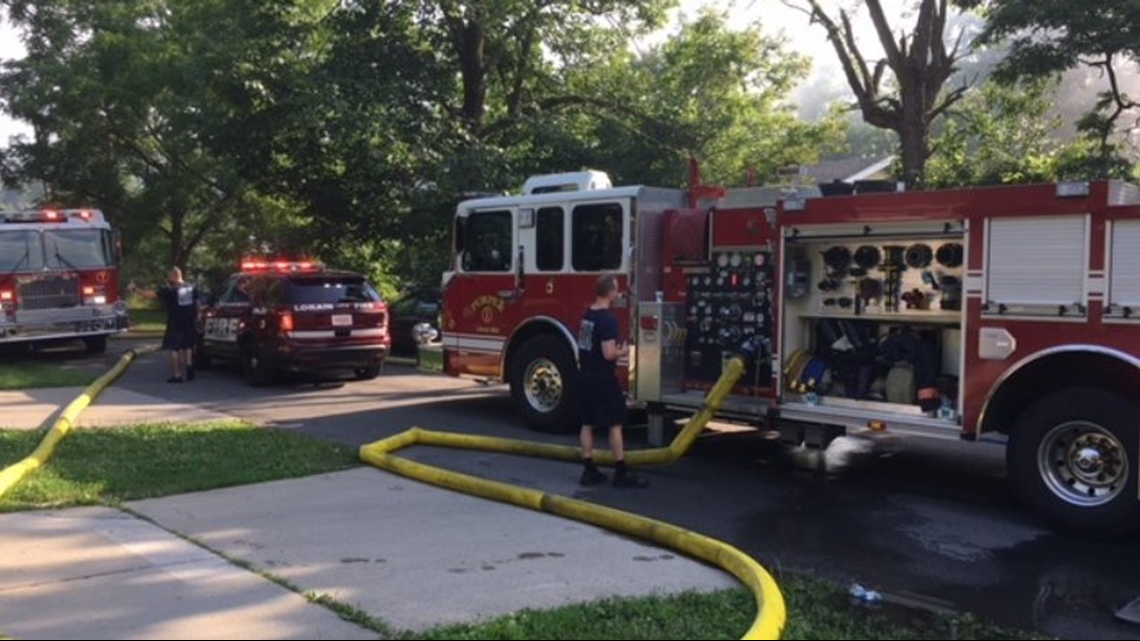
[
  {"x": 514, "y": 100},
  {"x": 883, "y": 28},
  {"x": 864, "y": 84},
  {"x": 565, "y": 102},
  {"x": 922, "y": 40},
  {"x": 951, "y": 98}
]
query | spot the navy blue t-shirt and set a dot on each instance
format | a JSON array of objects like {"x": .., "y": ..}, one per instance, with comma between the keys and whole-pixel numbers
[
  {"x": 597, "y": 326},
  {"x": 181, "y": 306}
]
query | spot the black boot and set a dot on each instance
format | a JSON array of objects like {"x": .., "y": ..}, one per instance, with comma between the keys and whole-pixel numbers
[
  {"x": 625, "y": 477},
  {"x": 591, "y": 475}
]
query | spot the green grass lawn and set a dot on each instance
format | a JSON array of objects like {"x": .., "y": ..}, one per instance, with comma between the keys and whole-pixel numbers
[
  {"x": 29, "y": 374},
  {"x": 145, "y": 319},
  {"x": 107, "y": 466},
  {"x": 816, "y": 610}
]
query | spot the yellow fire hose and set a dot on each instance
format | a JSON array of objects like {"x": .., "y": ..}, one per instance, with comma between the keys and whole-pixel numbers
[
  {"x": 770, "y": 609},
  {"x": 12, "y": 474}
]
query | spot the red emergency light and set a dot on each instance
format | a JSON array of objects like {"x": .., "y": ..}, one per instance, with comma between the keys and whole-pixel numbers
[
  {"x": 50, "y": 216},
  {"x": 262, "y": 265}
]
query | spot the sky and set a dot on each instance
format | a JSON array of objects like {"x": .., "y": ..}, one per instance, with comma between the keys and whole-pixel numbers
[{"x": 10, "y": 48}]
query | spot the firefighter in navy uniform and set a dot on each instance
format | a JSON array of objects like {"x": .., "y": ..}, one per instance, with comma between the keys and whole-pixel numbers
[
  {"x": 603, "y": 404},
  {"x": 180, "y": 299}
]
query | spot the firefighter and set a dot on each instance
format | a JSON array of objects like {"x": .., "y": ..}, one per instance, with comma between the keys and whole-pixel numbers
[
  {"x": 603, "y": 404},
  {"x": 181, "y": 302}
]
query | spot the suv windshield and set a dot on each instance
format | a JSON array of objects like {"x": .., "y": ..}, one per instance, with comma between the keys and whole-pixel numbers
[
  {"x": 330, "y": 289},
  {"x": 21, "y": 251},
  {"x": 77, "y": 248}
]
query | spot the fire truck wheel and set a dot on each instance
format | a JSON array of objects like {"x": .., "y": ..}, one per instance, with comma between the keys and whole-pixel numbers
[
  {"x": 1073, "y": 457},
  {"x": 254, "y": 368},
  {"x": 544, "y": 384},
  {"x": 96, "y": 344}
]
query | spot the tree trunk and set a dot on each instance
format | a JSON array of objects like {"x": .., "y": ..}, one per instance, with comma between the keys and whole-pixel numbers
[
  {"x": 913, "y": 138},
  {"x": 470, "y": 46},
  {"x": 178, "y": 254}
]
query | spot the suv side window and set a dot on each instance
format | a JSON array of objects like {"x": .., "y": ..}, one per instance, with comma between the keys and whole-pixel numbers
[
  {"x": 258, "y": 287},
  {"x": 238, "y": 292},
  {"x": 427, "y": 307},
  {"x": 274, "y": 296},
  {"x": 405, "y": 305}
]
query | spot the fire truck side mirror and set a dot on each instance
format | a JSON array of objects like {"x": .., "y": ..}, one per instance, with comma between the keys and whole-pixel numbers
[
  {"x": 459, "y": 240},
  {"x": 117, "y": 242}
]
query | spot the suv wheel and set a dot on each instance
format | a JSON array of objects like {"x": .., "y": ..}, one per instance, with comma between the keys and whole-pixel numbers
[{"x": 367, "y": 373}]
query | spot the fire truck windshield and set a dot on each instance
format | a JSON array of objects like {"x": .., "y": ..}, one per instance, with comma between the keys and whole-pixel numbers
[
  {"x": 77, "y": 248},
  {"x": 20, "y": 250}
]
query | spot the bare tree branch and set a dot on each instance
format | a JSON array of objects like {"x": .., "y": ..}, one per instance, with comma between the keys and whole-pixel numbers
[
  {"x": 948, "y": 101},
  {"x": 883, "y": 28}
]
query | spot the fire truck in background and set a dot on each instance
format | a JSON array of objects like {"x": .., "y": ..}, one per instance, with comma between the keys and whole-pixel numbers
[
  {"x": 58, "y": 278},
  {"x": 1006, "y": 315}
]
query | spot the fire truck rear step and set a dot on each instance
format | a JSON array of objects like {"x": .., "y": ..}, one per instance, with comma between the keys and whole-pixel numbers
[
  {"x": 870, "y": 420},
  {"x": 736, "y": 408}
]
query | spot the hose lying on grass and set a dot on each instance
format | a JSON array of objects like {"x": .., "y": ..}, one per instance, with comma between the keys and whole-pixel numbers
[{"x": 14, "y": 473}]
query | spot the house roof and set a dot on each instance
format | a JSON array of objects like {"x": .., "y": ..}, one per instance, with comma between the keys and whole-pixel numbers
[{"x": 847, "y": 170}]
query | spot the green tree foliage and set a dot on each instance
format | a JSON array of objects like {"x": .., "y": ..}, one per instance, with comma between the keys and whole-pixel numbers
[
  {"x": 348, "y": 130},
  {"x": 712, "y": 92},
  {"x": 1000, "y": 135},
  {"x": 125, "y": 99},
  {"x": 1047, "y": 37}
]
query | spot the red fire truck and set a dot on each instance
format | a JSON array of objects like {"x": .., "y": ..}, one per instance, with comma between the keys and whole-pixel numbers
[
  {"x": 58, "y": 279},
  {"x": 1004, "y": 314}
]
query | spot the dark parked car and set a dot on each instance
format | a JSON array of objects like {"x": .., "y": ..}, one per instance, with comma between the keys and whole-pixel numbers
[
  {"x": 276, "y": 316},
  {"x": 419, "y": 306}
]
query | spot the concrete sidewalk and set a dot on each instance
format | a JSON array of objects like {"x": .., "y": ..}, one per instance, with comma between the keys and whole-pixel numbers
[
  {"x": 417, "y": 556},
  {"x": 30, "y": 409},
  {"x": 98, "y": 573},
  {"x": 408, "y": 554}
]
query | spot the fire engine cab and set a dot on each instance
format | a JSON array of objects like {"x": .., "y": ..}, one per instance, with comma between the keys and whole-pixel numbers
[
  {"x": 58, "y": 278},
  {"x": 1005, "y": 315}
]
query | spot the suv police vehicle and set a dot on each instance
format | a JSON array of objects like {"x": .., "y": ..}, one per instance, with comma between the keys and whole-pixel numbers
[{"x": 295, "y": 316}]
